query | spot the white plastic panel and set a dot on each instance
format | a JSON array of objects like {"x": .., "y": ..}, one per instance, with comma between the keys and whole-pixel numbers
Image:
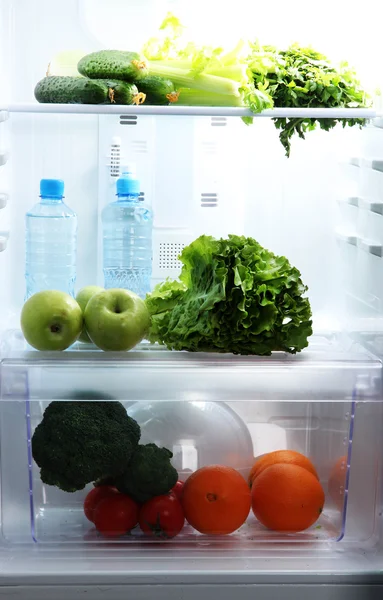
[{"x": 191, "y": 175}]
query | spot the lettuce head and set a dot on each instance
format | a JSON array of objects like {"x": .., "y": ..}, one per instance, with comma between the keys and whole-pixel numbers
[{"x": 234, "y": 296}]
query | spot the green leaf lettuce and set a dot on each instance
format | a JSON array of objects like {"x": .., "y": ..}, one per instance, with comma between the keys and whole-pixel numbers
[{"x": 233, "y": 296}]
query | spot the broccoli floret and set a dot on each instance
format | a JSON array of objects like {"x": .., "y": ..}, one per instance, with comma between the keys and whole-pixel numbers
[
  {"x": 149, "y": 474},
  {"x": 81, "y": 441}
]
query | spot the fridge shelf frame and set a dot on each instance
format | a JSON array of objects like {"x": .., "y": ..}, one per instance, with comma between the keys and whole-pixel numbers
[
  {"x": 197, "y": 111},
  {"x": 184, "y": 376}
]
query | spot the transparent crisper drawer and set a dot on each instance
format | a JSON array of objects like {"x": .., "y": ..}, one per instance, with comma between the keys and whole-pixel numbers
[{"x": 207, "y": 409}]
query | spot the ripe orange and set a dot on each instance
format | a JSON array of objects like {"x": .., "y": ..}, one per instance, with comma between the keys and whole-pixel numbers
[
  {"x": 289, "y": 457},
  {"x": 287, "y": 498},
  {"x": 216, "y": 500},
  {"x": 337, "y": 481}
]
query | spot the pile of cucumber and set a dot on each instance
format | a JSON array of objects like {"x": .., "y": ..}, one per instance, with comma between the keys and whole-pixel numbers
[{"x": 107, "y": 77}]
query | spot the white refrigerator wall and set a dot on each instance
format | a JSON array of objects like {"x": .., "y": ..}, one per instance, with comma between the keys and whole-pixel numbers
[
  {"x": 206, "y": 175},
  {"x": 200, "y": 175},
  {"x": 203, "y": 176}
]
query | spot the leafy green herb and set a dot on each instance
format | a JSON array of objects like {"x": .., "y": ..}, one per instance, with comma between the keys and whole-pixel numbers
[
  {"x": 303, "y": 78},
  {"x": 233, "y": 296},
  {"x": 259, "y": 77}
]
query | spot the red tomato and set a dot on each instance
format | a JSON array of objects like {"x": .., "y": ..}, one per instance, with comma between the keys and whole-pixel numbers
[
  {"x": 94, "y": 497},
  {"x": 162, "y": 517},
  {"x": 178, "y": 490},
  {"x": 116, "y": 515}
]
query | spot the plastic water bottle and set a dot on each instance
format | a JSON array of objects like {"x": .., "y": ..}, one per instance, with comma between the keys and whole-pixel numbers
[
  {"x": 127, "y": 238},
  {"x": 51, "y": 232}
]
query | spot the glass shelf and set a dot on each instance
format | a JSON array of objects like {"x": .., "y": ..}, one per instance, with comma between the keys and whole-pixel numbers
[
  {"x": 320, "y": 113},
  {"x": 327, "y": 370}
]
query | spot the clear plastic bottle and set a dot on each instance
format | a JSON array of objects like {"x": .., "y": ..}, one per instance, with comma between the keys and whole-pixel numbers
[
  {"x": 127, "y": 238},
  {"x": 51, "y": 237}
]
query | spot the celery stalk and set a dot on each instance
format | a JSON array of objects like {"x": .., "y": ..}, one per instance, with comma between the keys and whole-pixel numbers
[
  {"x": 176, "y": 63},
  {"x": 240, "y": 52},
  {"x": 233, "y": 72},
  {"x": 183, "y": 78},
  {"x": 65, "y": 63},
  {"x": 193, "y": 97}
]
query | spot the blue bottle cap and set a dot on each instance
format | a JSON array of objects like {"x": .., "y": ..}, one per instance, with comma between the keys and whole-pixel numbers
[
  {"x": 128, "y": 185},
  {"x": 52, "y": 188}
]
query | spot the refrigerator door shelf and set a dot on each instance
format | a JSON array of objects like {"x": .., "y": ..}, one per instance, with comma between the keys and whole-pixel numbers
[
  {"x": 364, "y": 203},
  {"x": 3, "y": 241},
  {"x": 369, "y": 163},
  {"x": 375, "y": 207},
  {"x": 369, "y": 246},
  {"x": 4, "y": 157},
  {"x": 3, "y": 200}
]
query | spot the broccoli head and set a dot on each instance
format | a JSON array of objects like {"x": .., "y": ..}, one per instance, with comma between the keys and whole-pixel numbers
[
  {"x": 149, "y": 474},
  {"x": 81, "y": 441}
]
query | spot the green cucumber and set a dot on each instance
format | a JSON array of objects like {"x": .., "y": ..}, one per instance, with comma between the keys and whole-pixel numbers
[
  {"x": 157, "y": 90},
  {"x": 80, "y": 90},
  {"x": 113, "y": 64},
  {"x": 122, "y": 92}
]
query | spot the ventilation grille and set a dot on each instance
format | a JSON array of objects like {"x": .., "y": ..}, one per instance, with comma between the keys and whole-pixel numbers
[
  {"x": 139, "y": 146},
  {"x": 128, "y": 119},
  {"x": 218, "y": 121},
  {"x": 168, "y": 255},
  {"x": 209, "y": 148},
  {"x": 209, "y": 200}
]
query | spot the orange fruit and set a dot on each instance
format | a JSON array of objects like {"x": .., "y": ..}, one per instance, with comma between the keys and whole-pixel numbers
[
  {"x": 216, "y": 500},
  {"x": 289, "y": 457},
  {"x": 337, "y": 482},
  {"x": 287, "y": 497}
]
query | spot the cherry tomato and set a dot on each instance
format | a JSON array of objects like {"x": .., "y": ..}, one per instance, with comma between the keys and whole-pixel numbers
[
  {"x": 94, "y": 497},
  {"x": 162, "y": 517},
  {"x": 178, "y": 490},
  {"x": 116, "y": 515}
]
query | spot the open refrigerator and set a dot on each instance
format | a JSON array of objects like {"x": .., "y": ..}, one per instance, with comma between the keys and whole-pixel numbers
[{"x": 203, "y": 172}]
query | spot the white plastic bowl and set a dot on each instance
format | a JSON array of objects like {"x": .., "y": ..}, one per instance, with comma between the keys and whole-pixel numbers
[{"x": 198, "y": 434}]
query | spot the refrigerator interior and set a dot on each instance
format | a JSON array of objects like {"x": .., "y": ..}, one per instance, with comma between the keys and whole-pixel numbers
[{"x": 321, "y": 208}]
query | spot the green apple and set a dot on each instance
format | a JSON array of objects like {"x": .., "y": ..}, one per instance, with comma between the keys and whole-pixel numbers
[
  {"x": 51, "y": 320},
  {"x": 116, "y": 319},
  {"x": 83, "y": 297}
]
